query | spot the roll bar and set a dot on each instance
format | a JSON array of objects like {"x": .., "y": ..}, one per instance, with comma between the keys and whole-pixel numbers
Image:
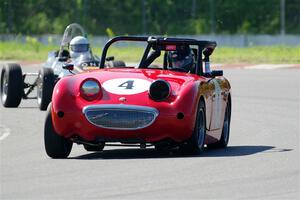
[{"x": 205, "y": 47}]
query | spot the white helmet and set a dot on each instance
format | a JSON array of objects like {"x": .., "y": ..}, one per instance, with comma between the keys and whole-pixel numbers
[{"x": 79, "y": 45}]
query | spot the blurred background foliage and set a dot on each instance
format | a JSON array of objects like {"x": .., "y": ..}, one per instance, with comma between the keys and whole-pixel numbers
[{"x": 164, "y": 17}]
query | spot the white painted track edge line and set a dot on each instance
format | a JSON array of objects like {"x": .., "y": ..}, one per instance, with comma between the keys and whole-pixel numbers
[{"x": 5, "y": 133}]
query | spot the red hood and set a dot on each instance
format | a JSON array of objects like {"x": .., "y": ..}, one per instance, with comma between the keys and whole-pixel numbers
[
  {"x": 150, "y": 74},
  {"x": 176, "y": 79},
  {"x": 182, "y": 85}
]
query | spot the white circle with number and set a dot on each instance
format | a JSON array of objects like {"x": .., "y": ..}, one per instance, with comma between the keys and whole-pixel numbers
[{"x": 126, "y": 86}]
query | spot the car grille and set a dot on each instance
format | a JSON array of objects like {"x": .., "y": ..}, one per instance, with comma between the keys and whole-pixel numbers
[{"x": 121, "y": 117}]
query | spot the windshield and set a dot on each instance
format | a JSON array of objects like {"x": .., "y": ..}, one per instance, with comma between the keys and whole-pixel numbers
[{"x": 72, "y": 31}]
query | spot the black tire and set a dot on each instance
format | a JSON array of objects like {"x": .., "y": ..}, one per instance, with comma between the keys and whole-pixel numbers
[
  {"x": 56, "y": 146},
  {"x": 45, "y": 85},
  {"x": 195, "y": 145},
  {"x": 99, "y": 147},
  {"x": 161, "y": 148},
  {"x": 12, "y": 86},
  {"x": 223, "y": 142}
]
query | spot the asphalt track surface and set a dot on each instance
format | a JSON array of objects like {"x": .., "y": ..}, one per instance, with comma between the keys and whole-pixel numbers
[{"x": 261, "y": 161}]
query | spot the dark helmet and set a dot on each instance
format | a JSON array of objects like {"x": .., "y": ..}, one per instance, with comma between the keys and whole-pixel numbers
[{"x": 182, "y": 58}]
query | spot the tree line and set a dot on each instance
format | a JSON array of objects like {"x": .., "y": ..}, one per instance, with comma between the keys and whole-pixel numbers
[{"x": 160, "y": 17}]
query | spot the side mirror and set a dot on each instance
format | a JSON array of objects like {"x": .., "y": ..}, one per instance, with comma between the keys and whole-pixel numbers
[
  {"x": 110, "y": 58},
  {"x": 214, "y": 73},
  {"x": 68, "y": 66},
  {"x": 217, "y": 73}
]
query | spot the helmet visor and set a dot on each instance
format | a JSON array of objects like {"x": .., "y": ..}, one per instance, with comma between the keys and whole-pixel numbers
[{"x": 80, "y": 48}]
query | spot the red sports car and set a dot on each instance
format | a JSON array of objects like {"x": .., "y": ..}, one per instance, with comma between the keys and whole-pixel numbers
[{"x": 171, "y": 98}]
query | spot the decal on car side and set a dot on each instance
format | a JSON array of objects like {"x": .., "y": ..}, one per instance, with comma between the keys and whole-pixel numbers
[
  {"x": 216, "y": 123},
  {"x": 126, "y": 86}
]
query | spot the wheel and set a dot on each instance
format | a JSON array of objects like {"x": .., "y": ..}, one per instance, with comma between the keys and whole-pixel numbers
[
  {"x": 12, "y": 87},
  {"x": 161, "y": 148},
  {"x": 222, "y": 143},
  {"x": 195, "y": 144},
  {"x": 45, "y": 85},
  {"x": 100, "y": 147},
  {"x": 56, "y": 146}
]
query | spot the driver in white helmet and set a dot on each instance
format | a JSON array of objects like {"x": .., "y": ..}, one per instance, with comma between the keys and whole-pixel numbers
[{"x": 79, "y": 46}]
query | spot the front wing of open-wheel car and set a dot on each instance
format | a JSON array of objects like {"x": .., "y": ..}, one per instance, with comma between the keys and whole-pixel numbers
[{"x": 141, "y": 106}]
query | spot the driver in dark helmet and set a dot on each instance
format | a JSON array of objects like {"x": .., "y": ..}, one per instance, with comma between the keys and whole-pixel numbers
[{"x": 182, "y": 59}]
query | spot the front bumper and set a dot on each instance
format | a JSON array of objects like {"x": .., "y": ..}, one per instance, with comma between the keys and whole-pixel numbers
[{"x": 92, "y": 123}]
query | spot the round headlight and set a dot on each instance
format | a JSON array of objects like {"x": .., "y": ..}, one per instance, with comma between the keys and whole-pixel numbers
[
  {"x": 90, "y": 89},
  {"x": 159, "y": 90}
]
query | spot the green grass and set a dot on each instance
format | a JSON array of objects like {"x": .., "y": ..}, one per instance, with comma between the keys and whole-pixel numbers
[
  {"x": 34, "y": 51},
  {"x": 27, "y": 51},
  {"x": 127, "y": 54}
]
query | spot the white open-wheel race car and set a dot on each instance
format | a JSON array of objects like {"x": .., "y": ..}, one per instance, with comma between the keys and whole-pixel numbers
[{"x": 60, "y": 63}]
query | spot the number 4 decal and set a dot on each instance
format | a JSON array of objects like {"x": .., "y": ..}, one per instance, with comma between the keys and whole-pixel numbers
[{"x": 127, "y": 85}]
